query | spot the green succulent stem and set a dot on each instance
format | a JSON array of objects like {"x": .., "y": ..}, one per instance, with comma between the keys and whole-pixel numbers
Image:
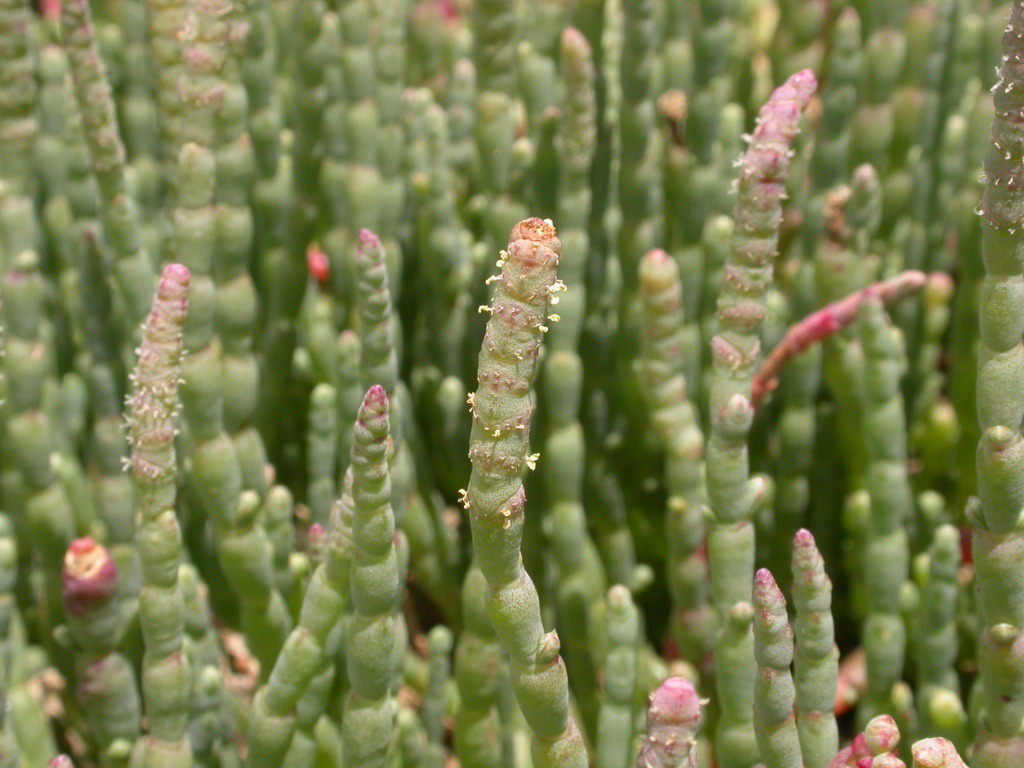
[
  {"x": 735, "y": 350},
  {"x": 133, "y": 272},
  {"x": 274, "y": 716},
  {"x": 152, "y": 427},
  {"x": 368, "y": 722},
  {"x": 816, "y": 657},
  {"x": 495, "y": 498},
  {"x": 995, "y": 515}
]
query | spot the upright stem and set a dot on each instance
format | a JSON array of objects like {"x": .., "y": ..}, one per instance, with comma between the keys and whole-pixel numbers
[
  {"x": 495, "y": 499},
  {"x": 732, "y": 494},
  {"x": 998, "y": 543}
]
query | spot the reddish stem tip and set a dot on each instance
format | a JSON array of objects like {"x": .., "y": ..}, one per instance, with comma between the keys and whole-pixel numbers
[
  {"x": 90, "y": 576},
  {"x": 657, "y": 256},
  {"x": 675, "y": 701},
  {"x": 533, "y": 229},
  {"x": 376, "y": 399},
  {"x": 318, "y": 265},
  {"x": 803, "y": 538},
  {"x": 803, "y": 82},
  {"x": 574, "y": 40},
  {"x": 174, "y": 278},
  {"x": 368, "y": 239}
]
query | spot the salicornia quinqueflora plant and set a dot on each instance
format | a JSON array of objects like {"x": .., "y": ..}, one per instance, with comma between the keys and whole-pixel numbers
[{"x": 268, "y": 414}]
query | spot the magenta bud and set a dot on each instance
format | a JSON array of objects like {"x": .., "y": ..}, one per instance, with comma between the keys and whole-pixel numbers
[
  {"x": 374, "y": 410},
  {"x": 769, "y": 601},
  {"x": 763, "y": 579},
  {"x": 805, "y": 550},
  {"x": 174, "y": 280},
  {"x": 673, "y": 719},
  {"x": 803, "y": 538},
  {"x": 89, "y": 578},
  {"x": 675, "y": 701},
  {"x": 376, "y": 398},
  {"x": 368, "y": 239}
]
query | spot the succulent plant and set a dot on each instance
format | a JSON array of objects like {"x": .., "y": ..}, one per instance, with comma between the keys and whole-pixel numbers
[{"x": 730, "y": 440}]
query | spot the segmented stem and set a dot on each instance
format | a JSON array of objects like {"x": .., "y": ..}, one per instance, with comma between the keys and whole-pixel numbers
[
  {"x": 495, "y": 499},
  {"x": 998, "y": 542},
  {"x": 368, "y": 721},
  {"x": 151, "y": 427}
]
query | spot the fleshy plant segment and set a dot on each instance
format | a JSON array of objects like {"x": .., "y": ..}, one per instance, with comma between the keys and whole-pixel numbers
[{"x": 720, "y": 465}]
